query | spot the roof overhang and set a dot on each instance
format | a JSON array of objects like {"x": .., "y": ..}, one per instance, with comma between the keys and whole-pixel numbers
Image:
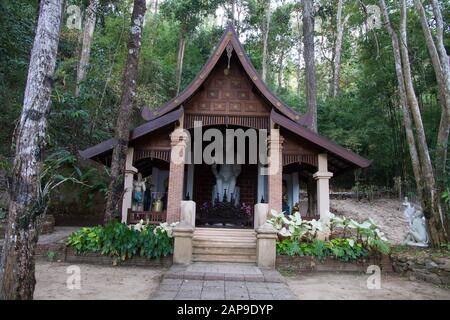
[
  {"x": 105, "y": 147},
  {"x": 343, "y": 154}
]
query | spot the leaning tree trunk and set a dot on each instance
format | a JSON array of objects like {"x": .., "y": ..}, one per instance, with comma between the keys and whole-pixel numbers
[
  {"x": 425, "y": 189},
  {"x": 338, "y": 48},
  {"x": 310, "y": 87},
  {"x": 310, "y": 68},
  {"x": 432, "y": 206},
  {"x": 442, "y": 73},
  {"x": 17, "y": 279},
  {"x": 265, "y": 52},
  {"x": 88, "y": 33},
  {"x": 180, "y": 58},
  {"x": 116, "y": 187},
  {"x": 280, "y": 71}
]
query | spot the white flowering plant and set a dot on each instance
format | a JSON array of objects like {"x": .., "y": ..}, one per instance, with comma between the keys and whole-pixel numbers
[{"x": 348, "y": 239}]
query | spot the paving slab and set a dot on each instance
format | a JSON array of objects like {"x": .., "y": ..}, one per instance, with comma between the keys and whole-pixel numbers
[{"x": 222, "y": 281}]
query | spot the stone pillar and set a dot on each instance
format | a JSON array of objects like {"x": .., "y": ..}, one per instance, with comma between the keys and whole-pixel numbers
[
  {"x": 176, "y": 175},
  {"x": 130, "y": 171},
  {"x": 322, "y": 177},
  {"x": 275, "y": 172},
  {"x": 261, "y": 212},
  {"x": 188, "y": 212},
  {"x": 266, "y": 246},
  {"x": 182, "y": 252}
]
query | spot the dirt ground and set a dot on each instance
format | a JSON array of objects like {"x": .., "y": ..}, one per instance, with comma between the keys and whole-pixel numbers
[
  {"x": 104, "y": 282},
  {"x": 387, "y": 214},
  {"x": 97, "y": 282},
  {"x": 350, "y": 286}
]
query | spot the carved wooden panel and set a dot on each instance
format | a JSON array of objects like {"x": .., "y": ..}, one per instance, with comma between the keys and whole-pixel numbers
[{"x": 228, "y": 91}]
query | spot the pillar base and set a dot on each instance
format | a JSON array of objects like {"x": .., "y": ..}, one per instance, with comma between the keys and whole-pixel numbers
[
  {"x": 188, "y": 212},
  {"x": 182, "y": 252},
  {"x": 266, "y": 246},
  {"x": 261, "y": 213}
]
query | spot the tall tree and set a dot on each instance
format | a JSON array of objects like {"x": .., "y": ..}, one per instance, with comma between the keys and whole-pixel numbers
[
  {"x": 88, "y": 33},
  {"x": 188, "y": 14},
  {"x": 310, "y": 88},
  {"x": 310, "y": 65},
  {"x": 265, "y": 34},
  {"x": 422, "y": 166},
  {"x": 17, "y": 278},
  {"x": 340, "y": 25},
  {"x": 125, "y": 112},
  {"x": 439, "y": 59}
]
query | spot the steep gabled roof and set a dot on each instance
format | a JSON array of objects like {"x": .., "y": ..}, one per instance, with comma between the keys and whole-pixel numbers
[{"x": 229, "y": 37}]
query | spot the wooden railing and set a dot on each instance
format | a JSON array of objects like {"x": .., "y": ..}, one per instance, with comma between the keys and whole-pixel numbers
[{"x": 149, "y": 217}]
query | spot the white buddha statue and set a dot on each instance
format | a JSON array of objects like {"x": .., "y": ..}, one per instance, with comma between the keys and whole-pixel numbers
[{"x": 226, "y": 178}]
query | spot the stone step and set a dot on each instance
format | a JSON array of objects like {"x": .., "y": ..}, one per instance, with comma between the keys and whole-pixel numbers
[
  {"x": 224, "y": 245},
  {"x": 220, "y": 244},
  {"x": 223, "y": 258},
  {"x": 224, "y": 250},
  {"x": 250, "y": 233},
  {"x": 206, "y": 240}
]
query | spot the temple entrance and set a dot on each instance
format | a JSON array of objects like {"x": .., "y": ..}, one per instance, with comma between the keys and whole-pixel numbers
[{"x": 215, "y": 209}]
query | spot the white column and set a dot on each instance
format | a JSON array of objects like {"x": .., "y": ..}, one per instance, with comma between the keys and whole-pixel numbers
[
  {"x": 261, "y": 185},
  {"x": 295, "y": 188},
  {"x": 322, "y": 176},
  {"x": 128, "y": 184}
]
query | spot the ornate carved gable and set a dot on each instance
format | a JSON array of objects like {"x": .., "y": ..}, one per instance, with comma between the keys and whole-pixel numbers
[{"x": 228, "y": 97}]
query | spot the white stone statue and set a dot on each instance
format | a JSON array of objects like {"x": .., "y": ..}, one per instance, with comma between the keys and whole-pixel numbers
[
  {"x": 417, "y": 235},
  {"x": 226, "y": 178},
  {"x": 138, "y": 193}
]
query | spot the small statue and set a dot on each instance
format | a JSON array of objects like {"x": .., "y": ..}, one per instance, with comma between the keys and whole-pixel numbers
[
  {"x": 138, "y": 193},
  {"x": 417, "y": 235}
]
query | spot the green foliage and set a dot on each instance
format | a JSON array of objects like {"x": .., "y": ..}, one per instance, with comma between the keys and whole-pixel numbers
[
  {"x": 122, "y": 241},
  {"x": 344, "y": 249},
  {"x": 349, "y": 239}
]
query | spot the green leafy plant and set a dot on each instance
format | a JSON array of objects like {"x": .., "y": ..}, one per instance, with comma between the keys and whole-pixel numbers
[
  {"x": 51, "y": 255},
  {"x": 349, "y": 239},
  {"x": 123, "y": 242}
]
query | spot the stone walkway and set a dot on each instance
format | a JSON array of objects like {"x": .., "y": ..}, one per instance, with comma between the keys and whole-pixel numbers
[{"x": 222, "y": 281}]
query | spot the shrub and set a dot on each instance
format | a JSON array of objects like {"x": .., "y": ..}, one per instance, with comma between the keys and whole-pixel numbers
[
  {"x": 119, "y": 240},
  {"x": 349, "y": 240}
]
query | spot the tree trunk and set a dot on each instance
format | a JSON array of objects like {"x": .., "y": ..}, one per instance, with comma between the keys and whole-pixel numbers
[
  {"x": 432, "y": 207},
  {"x": 442, "y": 74},
  {"x": 17, "y": 279},
  {"x": 338, "y": 48},
  {"x": 299, "y": 69},
  {"x": 310, "y": 68},
  {"x": 180, "y": 58},
  {"x": 280, "y": 71},
  {"x": 116, "y": 187},
  {"x": 88, "y": 32},
  {"x": 422, "y": 171},
  {"x": 265, "y": 53}
]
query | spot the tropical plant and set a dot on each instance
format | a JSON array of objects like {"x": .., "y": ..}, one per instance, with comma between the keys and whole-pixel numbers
[
  {"x": 123, "y": 242},
  {"x": 349, "y": 239}
]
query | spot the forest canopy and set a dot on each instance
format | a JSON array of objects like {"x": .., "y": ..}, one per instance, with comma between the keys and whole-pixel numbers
[{"x": 364, "y": 116}]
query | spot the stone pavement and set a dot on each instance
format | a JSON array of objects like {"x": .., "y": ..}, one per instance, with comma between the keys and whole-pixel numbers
[{"x": 222, "y": 281}]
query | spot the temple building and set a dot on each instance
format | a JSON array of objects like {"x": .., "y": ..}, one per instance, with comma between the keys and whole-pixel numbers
[{"x": 227, "y": 94}]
